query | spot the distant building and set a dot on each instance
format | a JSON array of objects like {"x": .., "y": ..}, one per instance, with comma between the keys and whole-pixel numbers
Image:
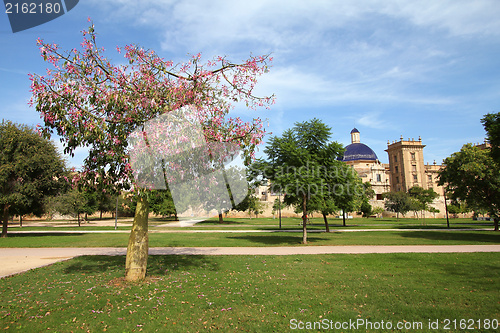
[
  {"x": 366, "y": 163},
  {"x": 405, "y": 170}
]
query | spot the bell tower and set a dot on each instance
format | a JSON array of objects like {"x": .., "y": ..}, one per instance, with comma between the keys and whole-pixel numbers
[
  {"x": 355, "y": 136},
  {"x": 406, "y": 163}
]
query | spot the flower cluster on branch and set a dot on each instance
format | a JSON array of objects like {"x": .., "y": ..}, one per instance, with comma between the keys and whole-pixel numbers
[{"x": 90, "y": 102}]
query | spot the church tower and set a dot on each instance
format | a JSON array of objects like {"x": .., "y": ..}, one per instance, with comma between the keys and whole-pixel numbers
[{"x": 355, "y": 136}]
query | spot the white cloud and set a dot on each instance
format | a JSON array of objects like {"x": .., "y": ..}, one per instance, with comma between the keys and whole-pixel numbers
[
  {"x": 459, "y": 17},
  {"x": 285, "y": 23},
  {"x": 374, "y": 120}
]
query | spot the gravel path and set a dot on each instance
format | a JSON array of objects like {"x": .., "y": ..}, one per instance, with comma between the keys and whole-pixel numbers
[{"x": 18, "y": 260}]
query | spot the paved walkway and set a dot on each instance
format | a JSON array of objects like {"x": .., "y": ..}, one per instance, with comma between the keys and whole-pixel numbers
[{"x": 18, "y": 260}]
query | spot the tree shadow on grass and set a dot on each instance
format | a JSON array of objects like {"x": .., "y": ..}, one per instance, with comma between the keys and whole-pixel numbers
[
  {"x": 41, "y": 234},
  {"x": 279, "y": 239},
  {"x": 464, "y": 236},
  {"x": 94, "y": 264},
  {"x": 443, "y": 226},
  {"x": 162, "y": 264},
  {"x": 157, "y": 264}
]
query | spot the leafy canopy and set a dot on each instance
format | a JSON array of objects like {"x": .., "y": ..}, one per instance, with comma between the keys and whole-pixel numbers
[
  {"x": 90, "y": 102},
  {"x": 30, "y": 169},
  {"x": 472, "y": 176}
]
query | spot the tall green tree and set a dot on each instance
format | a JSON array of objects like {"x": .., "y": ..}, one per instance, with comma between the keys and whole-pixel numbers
[
  {"x": 326, "y": 205},
  {"x": 162, "y": 203},
  {"x": 91, "y": 102},
  {"x": 365, "y": 208},
  {"x": 397, "y": 202},
  {"x": 106, "y": 203},
  {"x": 423, "y": 198},
  {"x": 300, "y": 163},
  {"x": 458, "y": 208},
  {"x": 472, "y": 176},
  {"x": 349, "y": 191},
  {"x": 30, "y": 169},
  {"x": 76, "y": 202}
]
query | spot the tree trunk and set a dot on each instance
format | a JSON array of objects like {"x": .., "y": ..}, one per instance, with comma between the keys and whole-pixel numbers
[
  {"x": 21, "y": 221},
  {"x": 221, "y": 220},
  {"x": 176, "y": 217},
  {"x": 343, "y": 217},
  {"x": 495, "y": 222},
  {"x": 327, "y": 227},
  {"x": 100, "y": 215},
  {"x": 79, "y": 220},
  {"x": 304, "y": 219},
  {"x": 5, "y": 220},
  {"x": 138, "y": 243}
]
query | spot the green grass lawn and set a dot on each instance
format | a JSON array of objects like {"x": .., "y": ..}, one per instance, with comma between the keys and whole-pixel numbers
[
  {"x": 396, "y": 237},
  {"x": 156, "y": 223},
  {"x": 358, "y": 222},
  {"x": 256, "y": 293}
]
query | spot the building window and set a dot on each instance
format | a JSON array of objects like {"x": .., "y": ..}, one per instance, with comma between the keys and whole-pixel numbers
[
  {"x": 379, "y": 178},
  {"x": 415, "y": 178},
  {"x": 412, "y": 156},
  {"x": 414, "y": 168},
  {"x": 380, "y": 197},
  {"x": 396, "y": 169},
  {"x": 429, "y": 177},
  {"x": 395, "y": 158},
  {"x": 397, "y": 180}
]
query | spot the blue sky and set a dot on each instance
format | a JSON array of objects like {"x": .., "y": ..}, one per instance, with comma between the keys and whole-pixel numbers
[{"x": 387, "y": 67}]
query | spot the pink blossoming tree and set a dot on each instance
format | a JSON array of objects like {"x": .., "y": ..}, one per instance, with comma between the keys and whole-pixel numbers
[{"x": 90, "y": 102}]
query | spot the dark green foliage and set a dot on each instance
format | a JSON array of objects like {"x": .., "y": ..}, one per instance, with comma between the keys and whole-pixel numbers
[
  {"x": 472, "y": 176},
  {"x": 398, "y": 202},
  {"x": 30, "y": 169},
  {"x": 422, "y": 198},
  {"x": 365, "y": 209},
  {"x": 303, "y": 164},
  {"x": 106, "y": 203},
  {"x": 491, "y": 123},
  {"x": 76, "y": 202},
  {"x": 252, "y": 204},
  {"x": 161, "y": 203},
  {"x": 458, "y": 208}
]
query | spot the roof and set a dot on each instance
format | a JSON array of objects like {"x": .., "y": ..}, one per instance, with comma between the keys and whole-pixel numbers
[
  {"x": 354, "y": 130},
  {"x": 359, "y": 151}
]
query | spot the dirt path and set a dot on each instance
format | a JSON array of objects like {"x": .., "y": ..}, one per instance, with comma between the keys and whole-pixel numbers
[{"x": 18, "y": 260}]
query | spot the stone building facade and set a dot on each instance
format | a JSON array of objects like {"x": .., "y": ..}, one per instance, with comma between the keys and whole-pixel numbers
[{"x": 406, "y": 168}]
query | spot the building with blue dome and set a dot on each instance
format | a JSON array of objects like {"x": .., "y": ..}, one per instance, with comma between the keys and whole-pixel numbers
[
  {"x": 357, "y": 151},
  {"x": 366, "y": 163},
  {"x": 405, "y": 170}
]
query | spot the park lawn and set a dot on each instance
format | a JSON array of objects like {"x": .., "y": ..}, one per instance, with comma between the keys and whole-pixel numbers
[
  {"x": 256, "y": 293},
  {"x": 396, "y": 237},
  {"x": 292, "y": 223},
  {"x": 337, "y": 222}
]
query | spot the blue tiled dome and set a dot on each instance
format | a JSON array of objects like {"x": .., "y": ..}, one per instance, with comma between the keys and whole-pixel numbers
[{"x": 359, "y": 151}]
